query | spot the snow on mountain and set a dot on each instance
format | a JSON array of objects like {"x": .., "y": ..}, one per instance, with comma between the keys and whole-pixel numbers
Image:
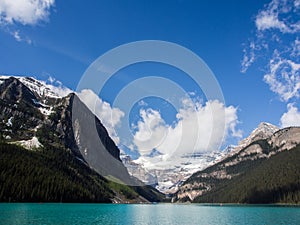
[
  {"x": 263, "y": 131},
  {"x": 41, "y": 88},
  {"x": 45, "y": 92},
  {"x": 166, "y": 176},
  {"x": 137, "y": 170},
  {"x": 30, "y": 144}
]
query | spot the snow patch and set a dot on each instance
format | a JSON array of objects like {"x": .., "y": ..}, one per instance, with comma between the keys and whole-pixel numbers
[
  {"x": 9, "y": 122},
  {"x": 30, "y": 144},
  {"x": 46, "y": 111},
  {"x": 40, "y": 87}
]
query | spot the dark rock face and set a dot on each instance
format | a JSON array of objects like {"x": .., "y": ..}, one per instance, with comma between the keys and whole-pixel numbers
[
  {"x": 87, "y": 119},
  {"x": 94, "y": 143},
  {"x": 14, "y": 91},
  {"x": 19, "y": 114}
]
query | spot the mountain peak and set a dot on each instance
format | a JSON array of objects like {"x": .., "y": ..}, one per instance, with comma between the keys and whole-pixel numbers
[
  {"x": 12, "y": 89},
  {"x": 42, "y": 89},
  {"x": 263, "y": 131},
  {"x": 265, "y": 125}
]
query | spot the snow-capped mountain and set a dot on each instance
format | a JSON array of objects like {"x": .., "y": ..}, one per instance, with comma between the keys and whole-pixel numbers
[{"x": 167, "y": 179}]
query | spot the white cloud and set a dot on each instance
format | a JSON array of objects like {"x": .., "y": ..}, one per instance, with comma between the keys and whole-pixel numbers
[
  {"x": 278, "y": 19},
  {"x": 296, "y": 48},
  {"x": 57, "y": 87},
  {"x": 291, "y": 117},
  {"x": 265, "y": 21},
  {"x": 283, "y": 77},
  {"x": 110, "y": 117},
  {"x": 60, "y": 89},
  {"x": 198, "y": 128},
  {"x": 151, "y": 131},
  {"x": 276, "y": 44},
  {"x": 16, "y": 34},
  {"x": 25, "y": 12},
  {"x": 271, "y": 17},
  {"x": 248, "y": 58},
  {"x": 51, "y": 79}
]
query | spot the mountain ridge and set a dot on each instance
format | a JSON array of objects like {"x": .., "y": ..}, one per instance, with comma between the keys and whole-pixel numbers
[{"x": 213, "y": 183}]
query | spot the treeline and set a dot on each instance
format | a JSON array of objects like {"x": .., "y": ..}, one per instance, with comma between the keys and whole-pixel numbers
[
  {"x": 273, "y": 180},
  {"x": 51, "y": 175}
]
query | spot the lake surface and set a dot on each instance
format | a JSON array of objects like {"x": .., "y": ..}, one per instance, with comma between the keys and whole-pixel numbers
[{"x": 31, "y": 213}]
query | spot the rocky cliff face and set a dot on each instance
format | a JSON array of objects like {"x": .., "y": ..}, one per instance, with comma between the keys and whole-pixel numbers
[{"x": 19, "y": 111}]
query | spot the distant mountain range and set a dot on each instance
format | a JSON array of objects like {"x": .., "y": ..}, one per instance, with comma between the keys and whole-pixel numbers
[
  {"x": 34, "y": 117},
  {"x": 169, "y": 178},
  {"x": 49, "y": 154}
]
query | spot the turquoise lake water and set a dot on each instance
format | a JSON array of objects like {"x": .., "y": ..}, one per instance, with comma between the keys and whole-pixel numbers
[{"x": 173, "y": 214}]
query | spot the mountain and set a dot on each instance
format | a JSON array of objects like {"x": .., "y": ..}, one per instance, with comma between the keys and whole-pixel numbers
[
  {"x": 264, "y": 168},
  {"x": 168, "y": 178},
  {"x": 263, "y": 131},
  {"x": 46, "y": 127}
]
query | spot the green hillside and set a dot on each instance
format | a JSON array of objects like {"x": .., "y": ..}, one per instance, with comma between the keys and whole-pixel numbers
[
  {"x": 55, "y": 175},
  {"x": 273, "y": 180}
]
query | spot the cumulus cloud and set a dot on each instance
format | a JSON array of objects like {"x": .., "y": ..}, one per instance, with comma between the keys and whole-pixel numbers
[
  {"x": 291, "y": 117},
  {"x": 198, "y": 128},
  {"x": 25, "y": 12},
  {"x": 110, "y": 117}
]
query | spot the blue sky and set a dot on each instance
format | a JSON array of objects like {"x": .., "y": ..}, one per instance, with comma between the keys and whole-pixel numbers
[{"x": 230, "y": 36}]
